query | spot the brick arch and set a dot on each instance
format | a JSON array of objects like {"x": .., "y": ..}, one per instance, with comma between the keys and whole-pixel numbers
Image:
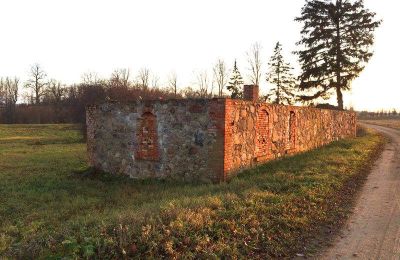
[
  {"x": 263, "y": 133},
  {"x": 147, "y": 138}
]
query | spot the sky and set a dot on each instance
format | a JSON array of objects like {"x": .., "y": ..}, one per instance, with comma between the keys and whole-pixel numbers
[{"x": 71, "y": 37}]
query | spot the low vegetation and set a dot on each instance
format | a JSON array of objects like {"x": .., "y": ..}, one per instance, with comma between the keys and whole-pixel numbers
[
  {"x": 51, "y": 205},
  {"x": 392, "y": 123}
]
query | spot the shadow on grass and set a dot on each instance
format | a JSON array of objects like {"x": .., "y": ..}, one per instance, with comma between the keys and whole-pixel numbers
[
  {"x": 285, "y": 175},
  {"x": 275, "y": 207}
]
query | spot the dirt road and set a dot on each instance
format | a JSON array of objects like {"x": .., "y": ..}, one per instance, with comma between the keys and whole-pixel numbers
[{"x": 373, "y": 230}]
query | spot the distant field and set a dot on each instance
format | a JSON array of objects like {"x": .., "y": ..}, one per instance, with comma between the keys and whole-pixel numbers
[
  {"x": 51, "y": 207},
  {"x": 392, "y": 123}
]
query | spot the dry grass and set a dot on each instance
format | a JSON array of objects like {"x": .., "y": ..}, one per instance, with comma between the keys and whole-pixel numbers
[
  {"x": 50, "y": 206},
  {"x": 392, "y": 123}
]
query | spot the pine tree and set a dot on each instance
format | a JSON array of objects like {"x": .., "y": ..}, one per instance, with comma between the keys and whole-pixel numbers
[
  {"x": 336, "y": 36},
  {"x": 281, "y": 77},
  {"x": 235, "y": 83}
]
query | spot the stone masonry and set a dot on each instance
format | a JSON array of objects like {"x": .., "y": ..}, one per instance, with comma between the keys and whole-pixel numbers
[{"x": 205, "y": 140}]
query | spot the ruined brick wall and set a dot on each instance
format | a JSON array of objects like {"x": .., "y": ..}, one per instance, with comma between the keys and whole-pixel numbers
[
  {"x": 181, "y": 139},
  {"x": 205, "y": 140},
  {"x": 258, "y": 132}
]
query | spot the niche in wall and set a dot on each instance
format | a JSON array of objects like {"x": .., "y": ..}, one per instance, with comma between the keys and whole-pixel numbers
[
  {"x": 146, "y": 134},
  {"x": 263, "y": 133}
]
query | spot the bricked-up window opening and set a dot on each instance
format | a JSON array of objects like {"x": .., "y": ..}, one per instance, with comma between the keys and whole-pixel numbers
[
  {"x": 291, "y": 131},
  {"x": 262, "y": 133},
  {"x": 147, "y": 138}
]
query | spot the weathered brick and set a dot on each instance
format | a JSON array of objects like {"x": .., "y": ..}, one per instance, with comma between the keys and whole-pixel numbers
[{"x": 204, "y": 140}]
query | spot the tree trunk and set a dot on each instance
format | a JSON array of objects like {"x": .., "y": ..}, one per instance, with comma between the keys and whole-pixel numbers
[
  {"x": 278, "y": 98},
  {"x": 278, "y": 91},
  {"x": 339, "y": 93},
  {"x": 37, "y": 100},
  {"x": 339, "y": 97}
]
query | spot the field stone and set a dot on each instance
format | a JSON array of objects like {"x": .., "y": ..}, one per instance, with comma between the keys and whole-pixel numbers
[{"x": 206, "y": 139}]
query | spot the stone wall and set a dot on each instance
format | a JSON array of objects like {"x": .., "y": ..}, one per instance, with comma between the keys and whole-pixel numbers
[
  {"x": 258, "y": 132},
  {"x": 205, "y": 140},
  {"x": 181, "y": 139}
]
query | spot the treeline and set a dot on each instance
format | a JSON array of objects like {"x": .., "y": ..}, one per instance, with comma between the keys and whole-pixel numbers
[
  {"x": 50, "y": 101},
  {"x": 42, "y": 99},
  {"x": 335, "y": 46},
  {"x": 381, "y": 114},
  {"x": 69, "y": 107}
]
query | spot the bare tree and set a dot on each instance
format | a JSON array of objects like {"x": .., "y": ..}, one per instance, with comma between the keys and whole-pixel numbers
[
  {"x": 220, "y": 76},
  {"x": 2, "y": 93},
  {"x": 173, "y": 82},
  {"x": 56, "y": 91},
  {"x": 254, "y": 60},
  {"x": 143, "y": 77},
  {"x": 12, "y": 86},
  {"x": 189, "y": 92},
  {"x": 203, "y": 84},
  {"x": 9, "y": 90},
  {"x": 155, "y": 80},
  {"x": 90, "y": 78},
  {"x": 9, "y": 97},
  {"x": 37, "y": 82},
  {"x": 120, "y": 77}
]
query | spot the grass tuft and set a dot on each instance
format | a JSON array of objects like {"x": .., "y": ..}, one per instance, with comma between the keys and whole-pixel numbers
[{"x": 53, "y": 205}]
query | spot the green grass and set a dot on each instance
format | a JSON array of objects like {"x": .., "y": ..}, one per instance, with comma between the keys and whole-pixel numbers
[{"x": 50, "y": 206}]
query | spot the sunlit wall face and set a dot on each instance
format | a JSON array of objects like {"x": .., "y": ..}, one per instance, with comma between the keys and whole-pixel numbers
[{"x": 69, "y": 38}]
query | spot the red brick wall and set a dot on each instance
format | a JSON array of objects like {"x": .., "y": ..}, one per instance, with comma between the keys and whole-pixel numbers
[
  {"x": 216, "y": 126},
  {"x": 146, "y": 135},
  {"x": 263, "y": 144},
  {"x": 228, "y": 141},
  {"x": 258, "y": 132},
  {"x": 251, "y": 92}
]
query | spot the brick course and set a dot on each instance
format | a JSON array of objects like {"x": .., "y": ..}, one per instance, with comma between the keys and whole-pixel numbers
[
  {"x": 147, "y": 137},
  {"x": 205, "y": 140}
]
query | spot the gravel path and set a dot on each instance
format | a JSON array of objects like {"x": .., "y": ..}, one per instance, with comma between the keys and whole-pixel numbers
[{"x": 373, "y": 230}]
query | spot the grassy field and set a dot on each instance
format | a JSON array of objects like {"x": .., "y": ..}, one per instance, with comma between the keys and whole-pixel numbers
[
  {"x": 51, "y": 207},
  {"x": 392, "y": 123}
]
